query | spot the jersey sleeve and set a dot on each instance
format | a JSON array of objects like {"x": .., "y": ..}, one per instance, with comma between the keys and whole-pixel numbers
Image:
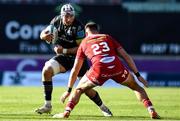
[
  {"x": 116, "y": 44},
  {"x": 80, "y": 51},
  {"x": 55, "y": 21}
]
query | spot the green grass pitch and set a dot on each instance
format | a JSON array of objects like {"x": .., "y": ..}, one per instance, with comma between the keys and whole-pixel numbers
[{"x": 19, "y": 103}]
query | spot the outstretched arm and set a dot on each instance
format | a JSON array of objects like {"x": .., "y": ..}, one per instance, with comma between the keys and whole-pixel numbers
[
  {"x": 74, "y": 72},
  {"x": 131, "y": 65},
  {"x": 72, "y": 78},
  {"x": 128, "y": 59}
]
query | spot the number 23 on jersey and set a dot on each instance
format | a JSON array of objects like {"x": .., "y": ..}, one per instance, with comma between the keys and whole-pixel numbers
[{"x": 99, "y": 48}]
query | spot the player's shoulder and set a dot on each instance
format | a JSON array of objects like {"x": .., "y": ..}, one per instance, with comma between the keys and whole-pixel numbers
[
  {"x": 56, "y": 19},
  {"x": 85, "y": 40},
  {"x": 106, "y": 35},
  {"x": 109, "y": 37},
  {"x": 102, "y": 35}
]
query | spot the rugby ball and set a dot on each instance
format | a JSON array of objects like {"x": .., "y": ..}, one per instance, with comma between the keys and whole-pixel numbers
[{"x": 51, "y": 29}]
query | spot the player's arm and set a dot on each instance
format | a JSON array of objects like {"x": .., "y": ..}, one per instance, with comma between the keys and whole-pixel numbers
[
  {"x": 74, "y": 72},
  {"x": 45, "y": 35},
  {"x": 77, "y": 65},
  {"x": 128, "y": 59},
  {"x": 72, "y": 78},
  {"x": 59, "y": 49},
  {"x": 121, "y": 52}
]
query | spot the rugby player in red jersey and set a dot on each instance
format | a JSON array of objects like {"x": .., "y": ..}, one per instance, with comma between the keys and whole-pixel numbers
[{"x": 103, "y": 52}]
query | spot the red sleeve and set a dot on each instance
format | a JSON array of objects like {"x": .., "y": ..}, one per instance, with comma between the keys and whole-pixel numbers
[
  {"x": 80, "y": 51},
  {"x": 116, "y": 44}
]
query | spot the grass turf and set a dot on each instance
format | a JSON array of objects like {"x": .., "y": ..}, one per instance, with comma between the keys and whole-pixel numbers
[{"x": 19, "y": 103}]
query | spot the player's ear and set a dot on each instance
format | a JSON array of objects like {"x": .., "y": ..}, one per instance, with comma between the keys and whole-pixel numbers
[{"x": 86, "y": 34}]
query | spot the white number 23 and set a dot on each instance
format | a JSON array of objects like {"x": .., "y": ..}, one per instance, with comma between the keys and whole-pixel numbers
[{"x": 97, "y": 50}]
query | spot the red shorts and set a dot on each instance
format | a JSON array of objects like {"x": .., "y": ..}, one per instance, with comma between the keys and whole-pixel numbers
[{"x": 119, "y": 74}]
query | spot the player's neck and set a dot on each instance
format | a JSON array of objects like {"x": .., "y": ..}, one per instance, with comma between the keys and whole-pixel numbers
[{"x": 93, "y": 33}]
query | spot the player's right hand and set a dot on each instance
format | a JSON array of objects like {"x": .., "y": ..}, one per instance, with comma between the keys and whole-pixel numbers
[
  {"x": 64, "y": 96},
  {"x": 45, "y": 35},
  {"x": 48, "y": 38}
]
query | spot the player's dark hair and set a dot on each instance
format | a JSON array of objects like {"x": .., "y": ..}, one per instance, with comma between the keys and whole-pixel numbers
[{"x": 92, "y": 26}]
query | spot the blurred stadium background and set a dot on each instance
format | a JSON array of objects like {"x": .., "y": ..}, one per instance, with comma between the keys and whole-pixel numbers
[{"x": 148, "y": 29}]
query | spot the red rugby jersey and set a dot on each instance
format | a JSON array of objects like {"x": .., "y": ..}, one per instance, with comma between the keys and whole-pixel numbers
[{"x": 100, "y": 49}]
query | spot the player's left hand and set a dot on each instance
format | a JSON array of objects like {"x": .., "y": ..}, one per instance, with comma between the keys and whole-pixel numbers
[
  {"x": 64, "y": 96},
  {"x": 142, "y": 80}
]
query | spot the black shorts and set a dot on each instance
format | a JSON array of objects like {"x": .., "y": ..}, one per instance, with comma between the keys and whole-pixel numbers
[{"x": 67, "y": 61}]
